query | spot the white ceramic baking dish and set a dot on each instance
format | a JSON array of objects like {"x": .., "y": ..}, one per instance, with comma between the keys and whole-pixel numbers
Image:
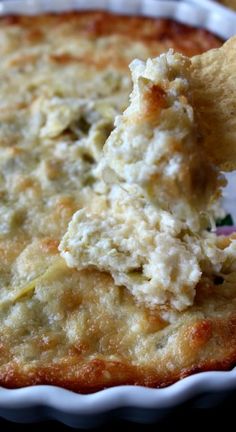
[{"x": 130, "y": 402}]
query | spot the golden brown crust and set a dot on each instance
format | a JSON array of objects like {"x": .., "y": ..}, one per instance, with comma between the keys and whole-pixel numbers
[
  {"x": 62, "y": 327},
  {"x": 198, "y": 344},
  {"x": 183, "y": 38},
  {"x": 98, "y": 374}
]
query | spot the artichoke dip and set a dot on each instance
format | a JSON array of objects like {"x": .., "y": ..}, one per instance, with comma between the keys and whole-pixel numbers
[
  {"x": 140, "y": 291},
  {"x": 160, "y": 189}
]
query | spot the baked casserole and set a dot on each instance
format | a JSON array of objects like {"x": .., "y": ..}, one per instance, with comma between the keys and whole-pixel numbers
[{"x": 63, "y": 319}]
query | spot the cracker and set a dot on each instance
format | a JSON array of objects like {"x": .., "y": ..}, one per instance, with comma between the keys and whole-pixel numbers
[{"x": 213, "y": 82}]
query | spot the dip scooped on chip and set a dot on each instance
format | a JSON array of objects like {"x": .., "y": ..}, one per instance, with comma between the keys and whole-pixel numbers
[{"x": 161, "y": 173}]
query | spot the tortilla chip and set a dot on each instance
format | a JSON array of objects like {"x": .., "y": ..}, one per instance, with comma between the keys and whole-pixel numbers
[{"x": 213, "y": 82}]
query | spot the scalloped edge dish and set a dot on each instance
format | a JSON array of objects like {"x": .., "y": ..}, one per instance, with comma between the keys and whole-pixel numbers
[{"x": 128, "y": 402}]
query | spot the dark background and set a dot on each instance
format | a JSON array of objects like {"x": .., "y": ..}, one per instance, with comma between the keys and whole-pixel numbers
[{"x": 221, "y": 416}]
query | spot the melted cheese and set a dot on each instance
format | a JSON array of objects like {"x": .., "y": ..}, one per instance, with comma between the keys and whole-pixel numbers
[{"x": 161, "y": 190}]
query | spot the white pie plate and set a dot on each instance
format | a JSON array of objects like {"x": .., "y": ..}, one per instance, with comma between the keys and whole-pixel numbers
[{"x": 135, "y": 403}]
